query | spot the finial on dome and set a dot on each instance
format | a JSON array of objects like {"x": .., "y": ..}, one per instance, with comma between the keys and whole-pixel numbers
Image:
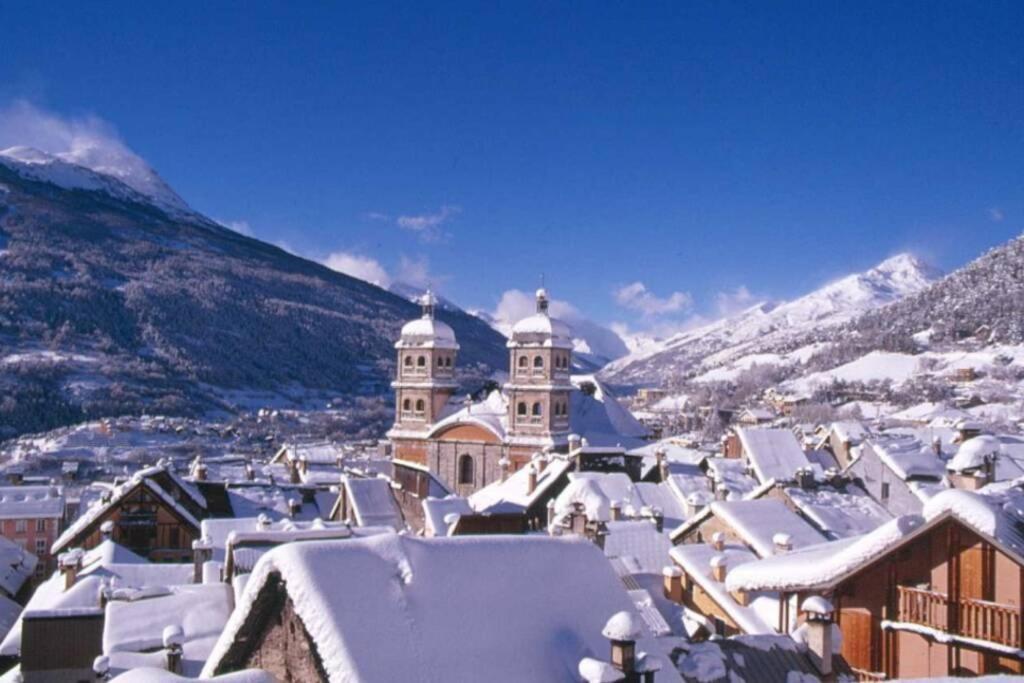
[
  {"x": 428, "y": 301},
  {"x": 542, "y": 300}
]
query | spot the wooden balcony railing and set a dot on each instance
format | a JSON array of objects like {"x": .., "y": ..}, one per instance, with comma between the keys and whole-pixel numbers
[{"x": 991, "y": 621}]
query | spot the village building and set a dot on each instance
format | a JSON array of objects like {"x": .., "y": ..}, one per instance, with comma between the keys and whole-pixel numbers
[
  {"x": 921, "y": 596},
  {"x": 899, "y": 471},
  {"x": 465, "y": 445},
  {"x": 407, "y": 615},
  {"x": 32, "y": 517}
]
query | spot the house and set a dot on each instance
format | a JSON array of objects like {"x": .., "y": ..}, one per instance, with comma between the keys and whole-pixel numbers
[
  {"x": 470, "y": 443},
  {"x": 396, "y": 607},
  {"x": 527, "y": 491},
  {"x": 768, "y": 453},
  {"x": 841, "y": 439},
  {"x": 938, "y": 594},
  {"x": 33, "y": 517},
  {"x": 764, "y": 525},
  {"x": 155, "y": 514},
  {"x": 899, "y": 471},
  {"x": 752, "y": 417},
  {"x": 367, "y": 501}
]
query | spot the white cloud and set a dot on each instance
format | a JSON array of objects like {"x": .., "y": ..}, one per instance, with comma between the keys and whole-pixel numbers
[
  {"x": 415, "y": 271},
  {"x": 358, "y": 266},
  {"x": 516, "y": 304},
  {"x": 638, "y": 298},
  {"x": 428, "y": 226},
  {"x": 996, "y": 214},
  {"x": 739, "y": 299}
]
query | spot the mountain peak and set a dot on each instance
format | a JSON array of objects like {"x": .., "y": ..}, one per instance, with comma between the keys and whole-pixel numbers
[{"x": 117, "y": 172}]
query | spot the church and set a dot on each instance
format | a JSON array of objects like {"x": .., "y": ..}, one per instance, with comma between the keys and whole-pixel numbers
[{"x": 467, "y": 444}]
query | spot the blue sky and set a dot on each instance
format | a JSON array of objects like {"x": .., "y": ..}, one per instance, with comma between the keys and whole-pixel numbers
[{"x": 692, "y": 147}]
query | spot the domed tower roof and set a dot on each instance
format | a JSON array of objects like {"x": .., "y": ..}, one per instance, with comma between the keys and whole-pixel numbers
[
  {"x": 540, "y": 329},
  {"x": 426, "y": 331}
]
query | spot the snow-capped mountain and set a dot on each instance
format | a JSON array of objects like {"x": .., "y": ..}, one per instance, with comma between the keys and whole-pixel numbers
[
  {"x": 117, "y": 299},
  {"x": 771, "y": 332},
  {"x": 119, "y": 174}
]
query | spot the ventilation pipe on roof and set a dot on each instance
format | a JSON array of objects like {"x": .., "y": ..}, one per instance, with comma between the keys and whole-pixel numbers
[
  {"x": 531, "y": 479},
  {"x": 174, "y": 640},
  {"x": 662, "y": 460}
]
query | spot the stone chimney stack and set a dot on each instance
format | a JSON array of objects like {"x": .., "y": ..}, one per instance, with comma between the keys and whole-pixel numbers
[
  {"x": 718, "y": 541},
  {"x": 673, "y": 583},
  {"x": 625, "y": 664},
  {"x": 70, "y": 564},
  {"x": 818, "y": 612},
  {"x": 174, "y": 640},
  {"x": 202, "y": 552},
  {"x": 805, "y": 478},
  {"x": 937, "y": 446},
  {"x": 615, "y": 511},
  {"x": 662, "y": 459},
  {"x": 531, "y": 479}
]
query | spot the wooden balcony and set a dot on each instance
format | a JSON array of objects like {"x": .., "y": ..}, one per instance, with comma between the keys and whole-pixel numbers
[{"x": 980, "y": 619}]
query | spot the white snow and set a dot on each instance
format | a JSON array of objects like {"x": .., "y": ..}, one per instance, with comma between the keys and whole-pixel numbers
[
  {"x": 757, "y": 522},
  {"x": 772, "y": 453},
  {"x": 433, "y": 605}
]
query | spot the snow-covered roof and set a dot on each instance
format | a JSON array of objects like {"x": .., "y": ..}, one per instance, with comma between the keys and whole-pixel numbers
[
  {"x": 850, "y": 431},
  {"x": 427, "y": 332},
  {"x": 16, "y": 566},
  {"x": 99, "y": 508},
  {"x": 758, "y": 521},
  {"x": 761, "y": 612},
  {"x": 50, "y": 595},
  {"x": 217, "y": 532},
  {"x": 201, "y": 610},
  {"x": 824, "y": 564},
  {"x": 513, "y": 493},
  {"x": 639, "y": 543},
  {"x": 430, "y": 605},
  {"x": 974, "y": 452},
  {"x": 540, "y": 329},
  {"x": 436, "y": 511},
  {"x": 29, "y": 502},
  {"x": 997, "y": 511},
  {"x": 839, "y": 514},
  {"x": 373, "y": 503},
  {"x": 9, "y": 613},
  {"x": 772, "y": 453},
  {"x": 157, "y": 674},
  {"x": 906, "y": 456}
]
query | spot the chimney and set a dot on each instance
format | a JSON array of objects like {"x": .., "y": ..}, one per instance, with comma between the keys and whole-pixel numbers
[
  {"x": 673, "y": 583},
  {"x": 718, "y": 541},
  {"x": 174, "y": 639},
  {"x": 719, "y": 567},
  {"x": 615, "y": 510},
  {"x": 263, "y": 522},
  {"x": 805, "y": 478},
  {"x": 294, "y": 506},
  {"x": 818, "y": 612},
  {"x": 202, "y": 551},
  {"x": 551, "y": 513},
  {"x": 937, "y": 446},
  {"x": 250, "y": 473},
  {"x": 531, "y": 479},
  {"x": 293, "y": 472},
  {"x": 721, "y": 491},
  {"x": 574, "y": 442},
  {"x": 660, "y": 456},
  {"x": 623, "y": 630},
  {"x": 505, "y": 464},
  {"x": 70, "y": 564},
  {"x": 107, "y": 530},
  {"x": 783, "y": 543},
  {"x": 654, "y": 514}
]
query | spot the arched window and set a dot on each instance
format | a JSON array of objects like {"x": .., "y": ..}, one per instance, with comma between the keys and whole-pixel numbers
[
  {"x": 406, "y": 405},
  {"x": 558, "y": 409},
  {"x": 448, "y": 362},
  {"x": 421, "y": 361},
  {"x": 523, "y": 361},
  {"x": 536, "y": 409},
  {"x": 420, "y": 406},
  {"x": 521, "y": 408},
  {"x": 538, "y": 361},
  {"x": 465, "y": 469},
  {"x": 440, "y": 362},
  {"x": 408, "y": 361}
]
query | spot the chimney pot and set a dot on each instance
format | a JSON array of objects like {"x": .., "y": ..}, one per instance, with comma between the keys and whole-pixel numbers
[
  {"x": 819, "y": 626},
  {"x": 531, "y": 479},
  {"x": 718, "y": 541},
  {"x": 615, "y": 510},
  {"x": 719, "y": 567},
  {"x": 673, "y": 583}
]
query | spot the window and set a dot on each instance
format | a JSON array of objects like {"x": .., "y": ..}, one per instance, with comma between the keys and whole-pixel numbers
[
  {"x": 408, "y": 361},
  {"x": 406, "y": 405},
  {"x": 20, "y": 526},
  {"x": 538, "y": 361},
  {"x": 420, "y": 406},
  {"x": 524, "y": 363},
  {"x": 40, "y": 547},
  {"x": 421, "y": 361},
  {"x": 448, "y": 362},
  {"x": 885, "y": 491},
  {"x": 521, "y": 409},
  {"x": 536, "y": 409},
  {"x": 465, "y": 469},
  {"x": 41, "y": 526}
]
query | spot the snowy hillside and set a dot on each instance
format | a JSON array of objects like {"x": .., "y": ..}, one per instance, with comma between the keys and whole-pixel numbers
[
  {"x": 771, "y": 333},
  {"x": 124, "y": 176},
  {"x": 117, "y": 299}
]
